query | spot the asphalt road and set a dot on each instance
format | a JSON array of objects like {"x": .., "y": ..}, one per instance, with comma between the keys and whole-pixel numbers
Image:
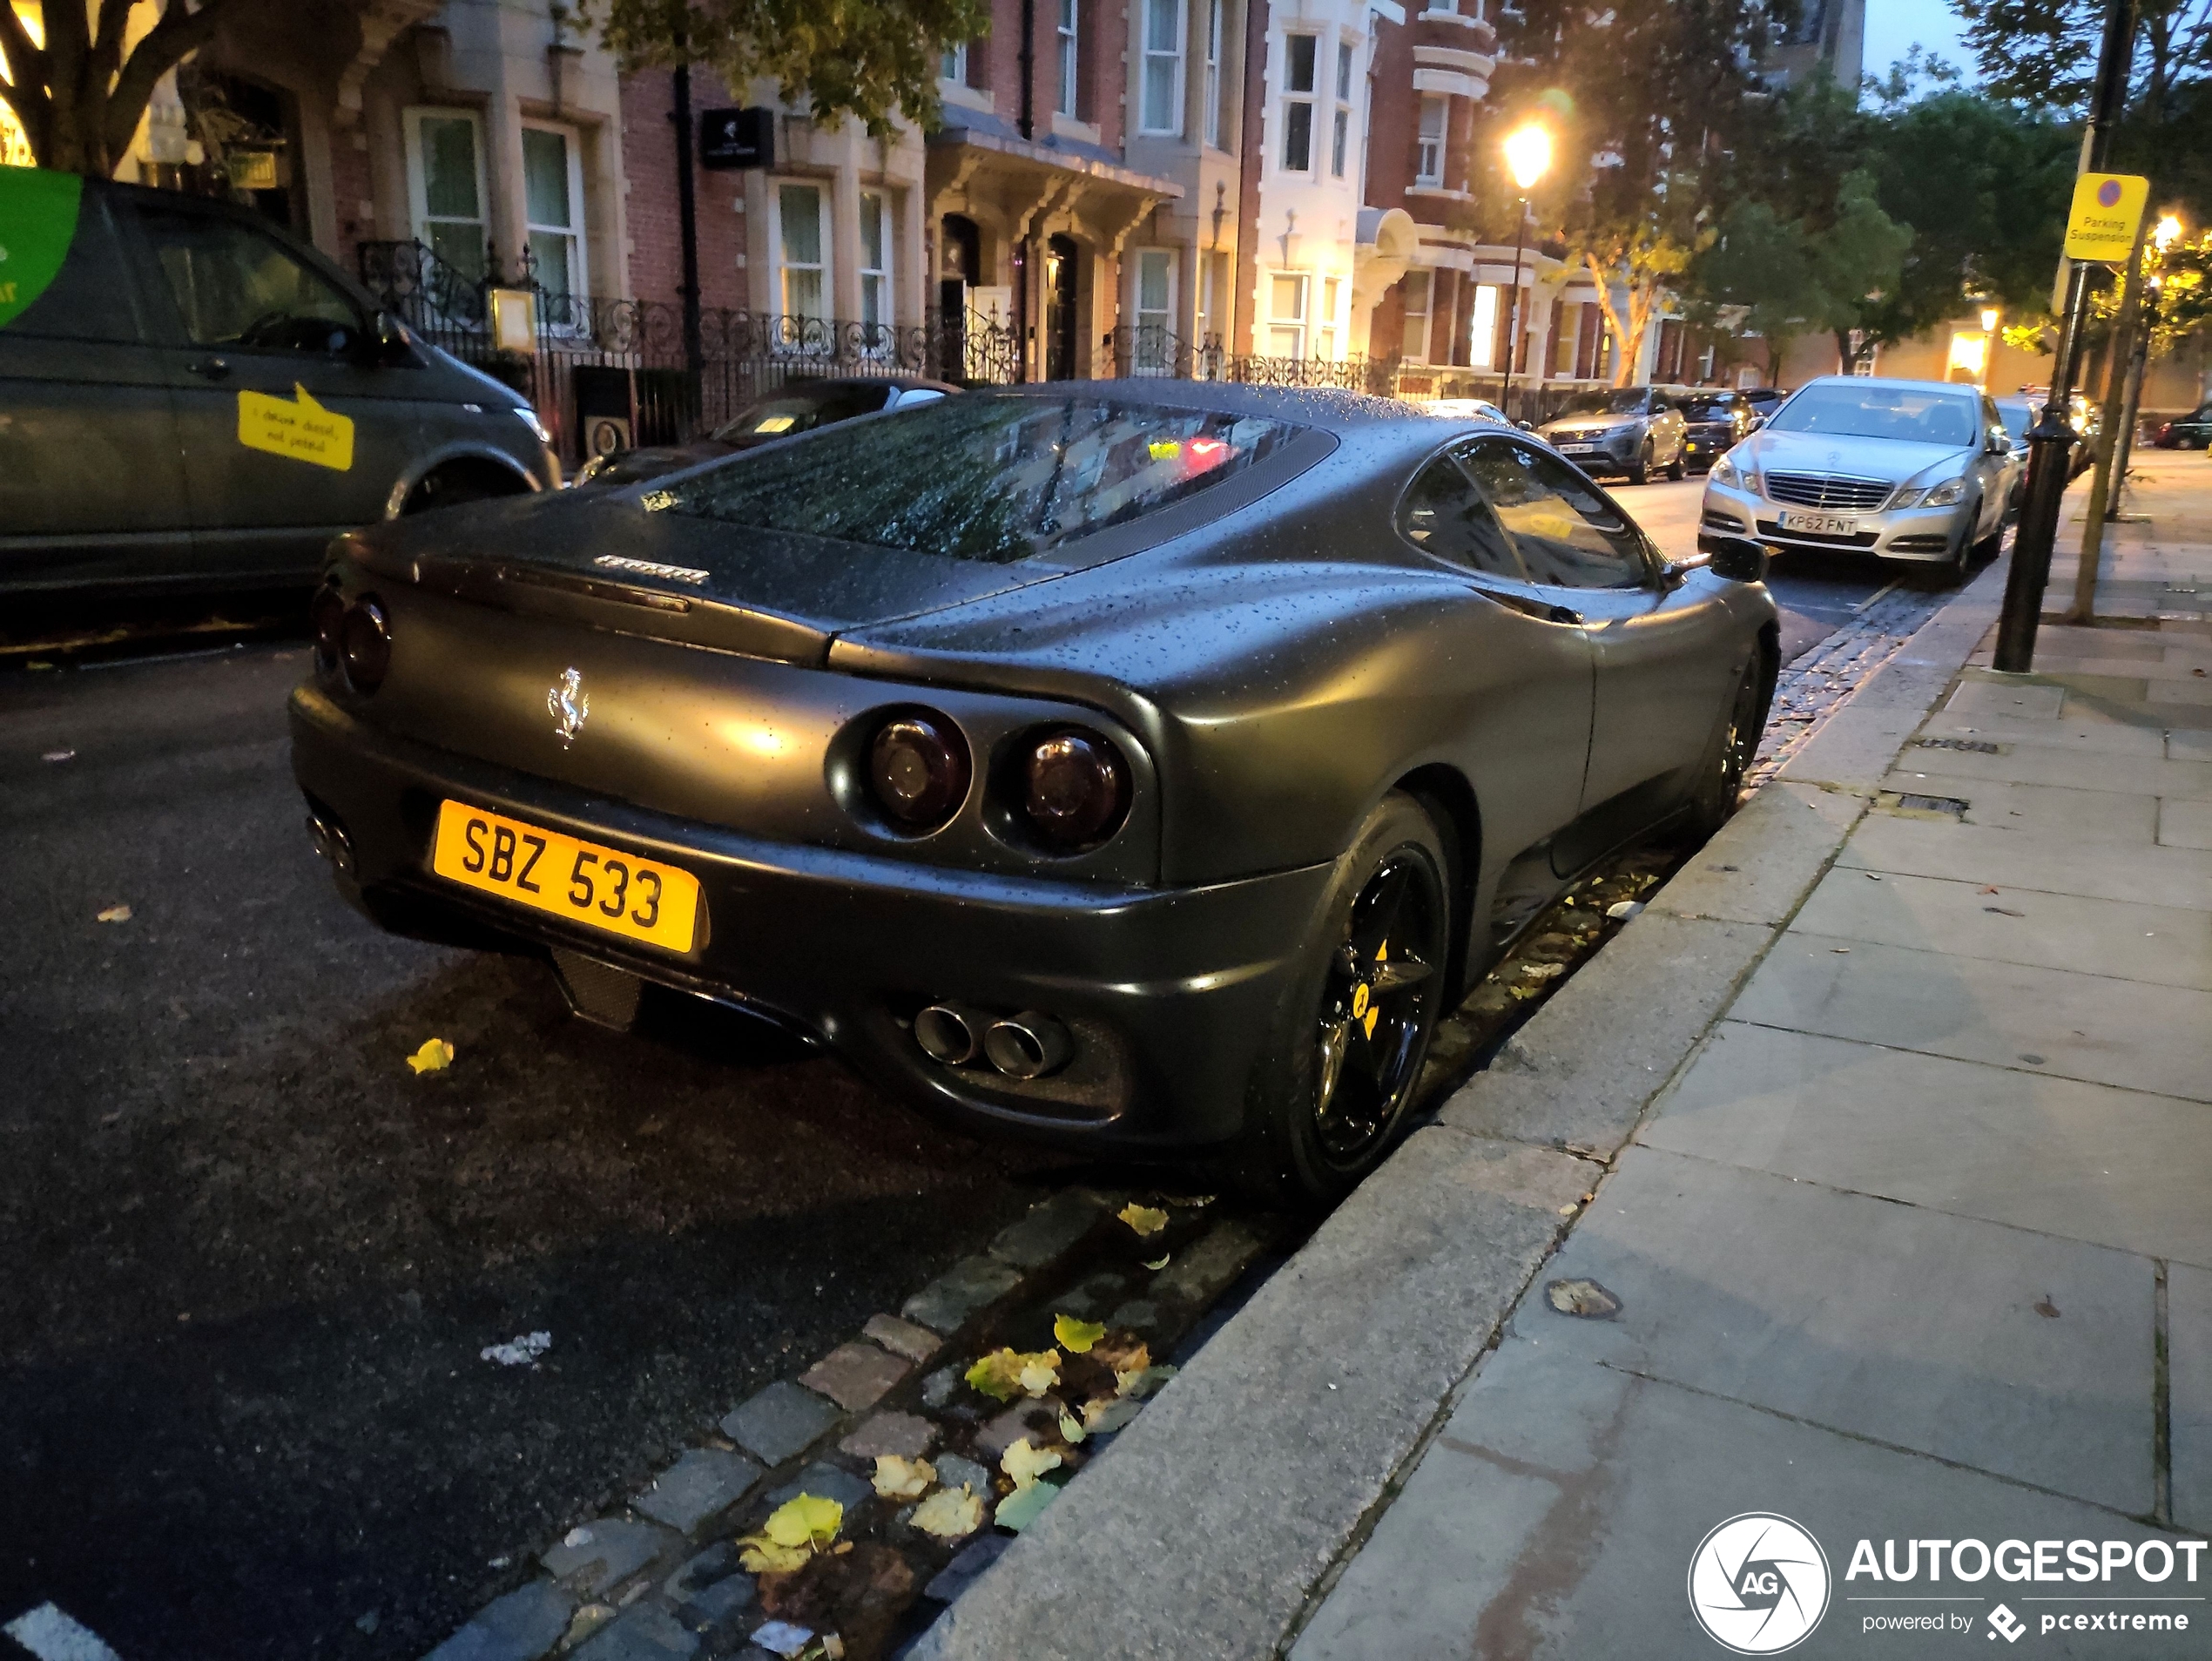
[{"x": 250, "y": 1260}]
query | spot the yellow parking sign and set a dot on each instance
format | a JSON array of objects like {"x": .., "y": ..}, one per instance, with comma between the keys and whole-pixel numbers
[{"x": 2108, "y": 209}]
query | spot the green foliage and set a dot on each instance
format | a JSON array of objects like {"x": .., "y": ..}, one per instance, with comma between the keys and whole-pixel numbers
[{"x": 869, "y": 60}]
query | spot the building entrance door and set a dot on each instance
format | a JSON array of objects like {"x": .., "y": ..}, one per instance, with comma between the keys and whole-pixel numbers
[{"x": 1060, "y": 264}]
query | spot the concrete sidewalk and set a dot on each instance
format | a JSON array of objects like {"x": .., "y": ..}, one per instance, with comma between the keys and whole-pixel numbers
[
  {"x": 1887, "y": 1128},
  {"x": 1919, "y": 1245}
]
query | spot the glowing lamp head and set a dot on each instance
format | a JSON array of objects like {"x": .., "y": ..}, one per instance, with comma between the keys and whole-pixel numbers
[
  {"x": 2168, "y": 232},
  {"x": 1989, "y": 320},
  {"x": 1528, "y": 154}
]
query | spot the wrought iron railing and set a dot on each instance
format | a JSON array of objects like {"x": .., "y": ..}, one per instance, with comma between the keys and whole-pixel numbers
[{"x": 743, "y": 356}]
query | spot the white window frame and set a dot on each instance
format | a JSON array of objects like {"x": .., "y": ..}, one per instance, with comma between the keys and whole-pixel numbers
[
  {"x": 418, "y": 184},
  {"x": 1325, "y": 338},
  {"x": 780, "y": 266},
  {"x": 1213, "y": 73},
  {"x": 1425, "y": 314},
  {"x": 1151, "y": 355},
  {"x": 579, "y": 272},
  {"x": 1168, "y": 56},
  {"x": 1428, "y": 153},
  {"x": 952, "y": 65},
  {"x": 1295, "y": 97},
  {"x": 1340, "y": 123},
  {"x": 1293, "y": 324},
  {"x": 1069, "y": 87},
  {"x": 886, "y": 222}
]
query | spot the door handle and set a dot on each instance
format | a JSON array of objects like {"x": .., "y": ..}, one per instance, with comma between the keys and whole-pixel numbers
[
  {"x": 1561, "y": 614},
  {"x": 1528, "y": 606},
  {"x": 211, "y": 369}
]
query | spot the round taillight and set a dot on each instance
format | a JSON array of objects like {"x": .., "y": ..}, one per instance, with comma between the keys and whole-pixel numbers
[
  {"x": 1078, "y": 789},
  {"x": 326, "y": 616},
  {"x": 918, "y": 766},
  {"x": 365, "y": 645}
]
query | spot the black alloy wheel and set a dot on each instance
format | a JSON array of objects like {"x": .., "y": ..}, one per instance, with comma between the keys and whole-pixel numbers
[
  {"x": 1720, "y": 780},
  {"x": 1679, "y": 468},
  {"x": 1333, "y": 1089},
  {"x": 1640, "y": 470},
  {"x": 1377, "y": 1005}
]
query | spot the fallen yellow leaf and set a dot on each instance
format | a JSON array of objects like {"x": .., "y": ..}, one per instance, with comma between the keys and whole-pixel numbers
[
  {"x": 949, "y": 1513},
  {"x": 1004, "y": 1373},
  {"x": 805, "y": 1520},
  {"x": 1077, "y": 1335},
  {"x": 1019, "y": 1510},
  {"x": 433, "y": 1057},
  {"x": 1101, "y": 1417},
  {"x": 1159, "y": 1262},
  {"x": 758, "y": 1557},
  {"x": 900, "y": 1478},
  {"x": 116, "y": 914},
  {"x": 1024, "y": 1462},
  {"x": 1070, "y": 1432},
  {"x": 1146, "y": 1221},
  {"x": 1140, "y": 1382}
]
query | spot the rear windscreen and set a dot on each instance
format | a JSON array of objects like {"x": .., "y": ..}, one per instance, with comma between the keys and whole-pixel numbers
[{"x": 983, "y": 477}]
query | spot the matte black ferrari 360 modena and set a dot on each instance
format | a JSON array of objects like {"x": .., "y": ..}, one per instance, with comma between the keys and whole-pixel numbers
[{"x": 1136, "y": 765}]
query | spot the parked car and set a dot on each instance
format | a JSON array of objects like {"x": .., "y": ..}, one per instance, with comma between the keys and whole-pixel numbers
[
  {"x": 1718, "y": 419},
  {"x": 799, "y": 407},
  {"x": 1629, "y": 430},
  {"x": 1907, "y": 470},
  {"x": 1764, "y": 401},
  {"x": 2192, "y": 431},
  {"x": 1139, "y": 764},
  {"x": 2019, "y": 414},
  {"x": 189, "y": 397}
]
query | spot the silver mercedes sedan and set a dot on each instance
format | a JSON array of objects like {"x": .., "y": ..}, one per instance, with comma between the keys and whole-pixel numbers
[{"x": 1907, "y": 470}]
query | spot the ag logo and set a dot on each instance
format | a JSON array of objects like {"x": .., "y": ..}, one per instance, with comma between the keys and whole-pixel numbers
[{"x": 1758, "y": 1583}]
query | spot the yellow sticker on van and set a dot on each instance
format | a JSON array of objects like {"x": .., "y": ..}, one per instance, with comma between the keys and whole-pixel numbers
[{"x": 299, "y": 429}]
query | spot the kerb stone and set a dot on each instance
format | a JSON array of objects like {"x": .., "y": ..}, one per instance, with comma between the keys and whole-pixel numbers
[
  {"x": 779, "y": 1423},
  {"x": 964, "y": 1291},
  {"x": 603, "y": 1553},
  {"x": 521, "y": 1626},
  {"x": 699, "y": 1488},
  {"x": 856, "y": 1376}
]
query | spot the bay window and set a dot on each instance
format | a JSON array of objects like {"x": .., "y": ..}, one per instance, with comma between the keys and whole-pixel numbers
[
  {"x": 1068, "y": 84},
  {"x": 1428, "y": 156},
  {"x": 876, "y": 258},
  {"x": 1163, "y": 92},
  {"x": 802, "y": 250},
  {"x": 1413, "y": 290}
]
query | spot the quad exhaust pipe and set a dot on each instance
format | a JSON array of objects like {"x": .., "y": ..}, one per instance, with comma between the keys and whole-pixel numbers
[{"x": 1028, "y": 1045}]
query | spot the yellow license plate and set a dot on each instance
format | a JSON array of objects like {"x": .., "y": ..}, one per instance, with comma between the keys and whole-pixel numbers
[{"x": 603, "y": 888}]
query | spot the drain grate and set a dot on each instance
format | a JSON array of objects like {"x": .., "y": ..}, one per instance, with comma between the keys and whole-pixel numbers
[
  {"x": 1979, "y": 746},
  {"x": 1908, "y": 802}
]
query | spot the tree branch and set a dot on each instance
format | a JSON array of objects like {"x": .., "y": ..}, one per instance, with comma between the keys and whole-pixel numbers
[{"x": 178, "y": 33}]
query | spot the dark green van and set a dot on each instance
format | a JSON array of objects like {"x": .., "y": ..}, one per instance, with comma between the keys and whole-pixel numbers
[{"x": 191, "y": 398}]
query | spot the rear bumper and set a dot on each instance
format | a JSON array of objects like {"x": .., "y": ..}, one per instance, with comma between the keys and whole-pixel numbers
[{"x": 1170, "y": 995}]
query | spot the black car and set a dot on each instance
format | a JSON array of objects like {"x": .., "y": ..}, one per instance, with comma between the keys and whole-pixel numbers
[
  {"x": 2192, "y": 431},
  {"x": 1136, "y": 765},
  {"x": 798, "y": 406},
  {"x": 191, "y": 398},
  {"x": 1718, "y": 419},
  {"x": 1764, "y": 401}
]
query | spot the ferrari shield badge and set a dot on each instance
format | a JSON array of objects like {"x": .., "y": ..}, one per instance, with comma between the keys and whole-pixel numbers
[{"x": 569, "y": 705}]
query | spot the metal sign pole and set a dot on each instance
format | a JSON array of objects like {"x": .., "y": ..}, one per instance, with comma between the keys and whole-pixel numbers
[{"x": 2051, "y": 439}]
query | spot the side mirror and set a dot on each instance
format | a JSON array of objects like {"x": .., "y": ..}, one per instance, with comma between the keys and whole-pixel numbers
[
  {"x": 1526, "y": 426},
  {"x": 1758, "y": 422},
  {"x": 1739, "y": 559},
  {"x": 390, "y": 345}
]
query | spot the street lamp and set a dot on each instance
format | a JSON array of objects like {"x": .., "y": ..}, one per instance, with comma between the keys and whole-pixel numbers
[
  {"x": 2170, "y": 229},
  {"x": 1989, "y": 316},
  {"x": 1528, "y": 154}
]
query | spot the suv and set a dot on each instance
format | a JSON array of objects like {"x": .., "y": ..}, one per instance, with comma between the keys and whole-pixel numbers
[
  {"x": 191, "y": 398},
  {"x": 1630, "y": 430},
  {"x": 1719, "y": 418}
]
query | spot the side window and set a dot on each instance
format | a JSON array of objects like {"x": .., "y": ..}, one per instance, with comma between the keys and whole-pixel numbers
[
  {"x": 1566, "y": 534},
  {"x": 236, "y": 286},
  {"x": 1443, "y": 515}
]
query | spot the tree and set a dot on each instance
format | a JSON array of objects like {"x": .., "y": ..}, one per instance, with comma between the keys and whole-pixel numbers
[
  {"x": 1648, "y": 95},
  {"x": 1788, "y": 277},
  {"x": 1984, "y": 187},
  {"x": 872, "y": 59},
  {"x": 79, "y": 97}
]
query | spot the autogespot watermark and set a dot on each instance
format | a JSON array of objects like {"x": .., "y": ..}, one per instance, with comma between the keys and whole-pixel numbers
[{"x": 1760, "y": 1583}]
